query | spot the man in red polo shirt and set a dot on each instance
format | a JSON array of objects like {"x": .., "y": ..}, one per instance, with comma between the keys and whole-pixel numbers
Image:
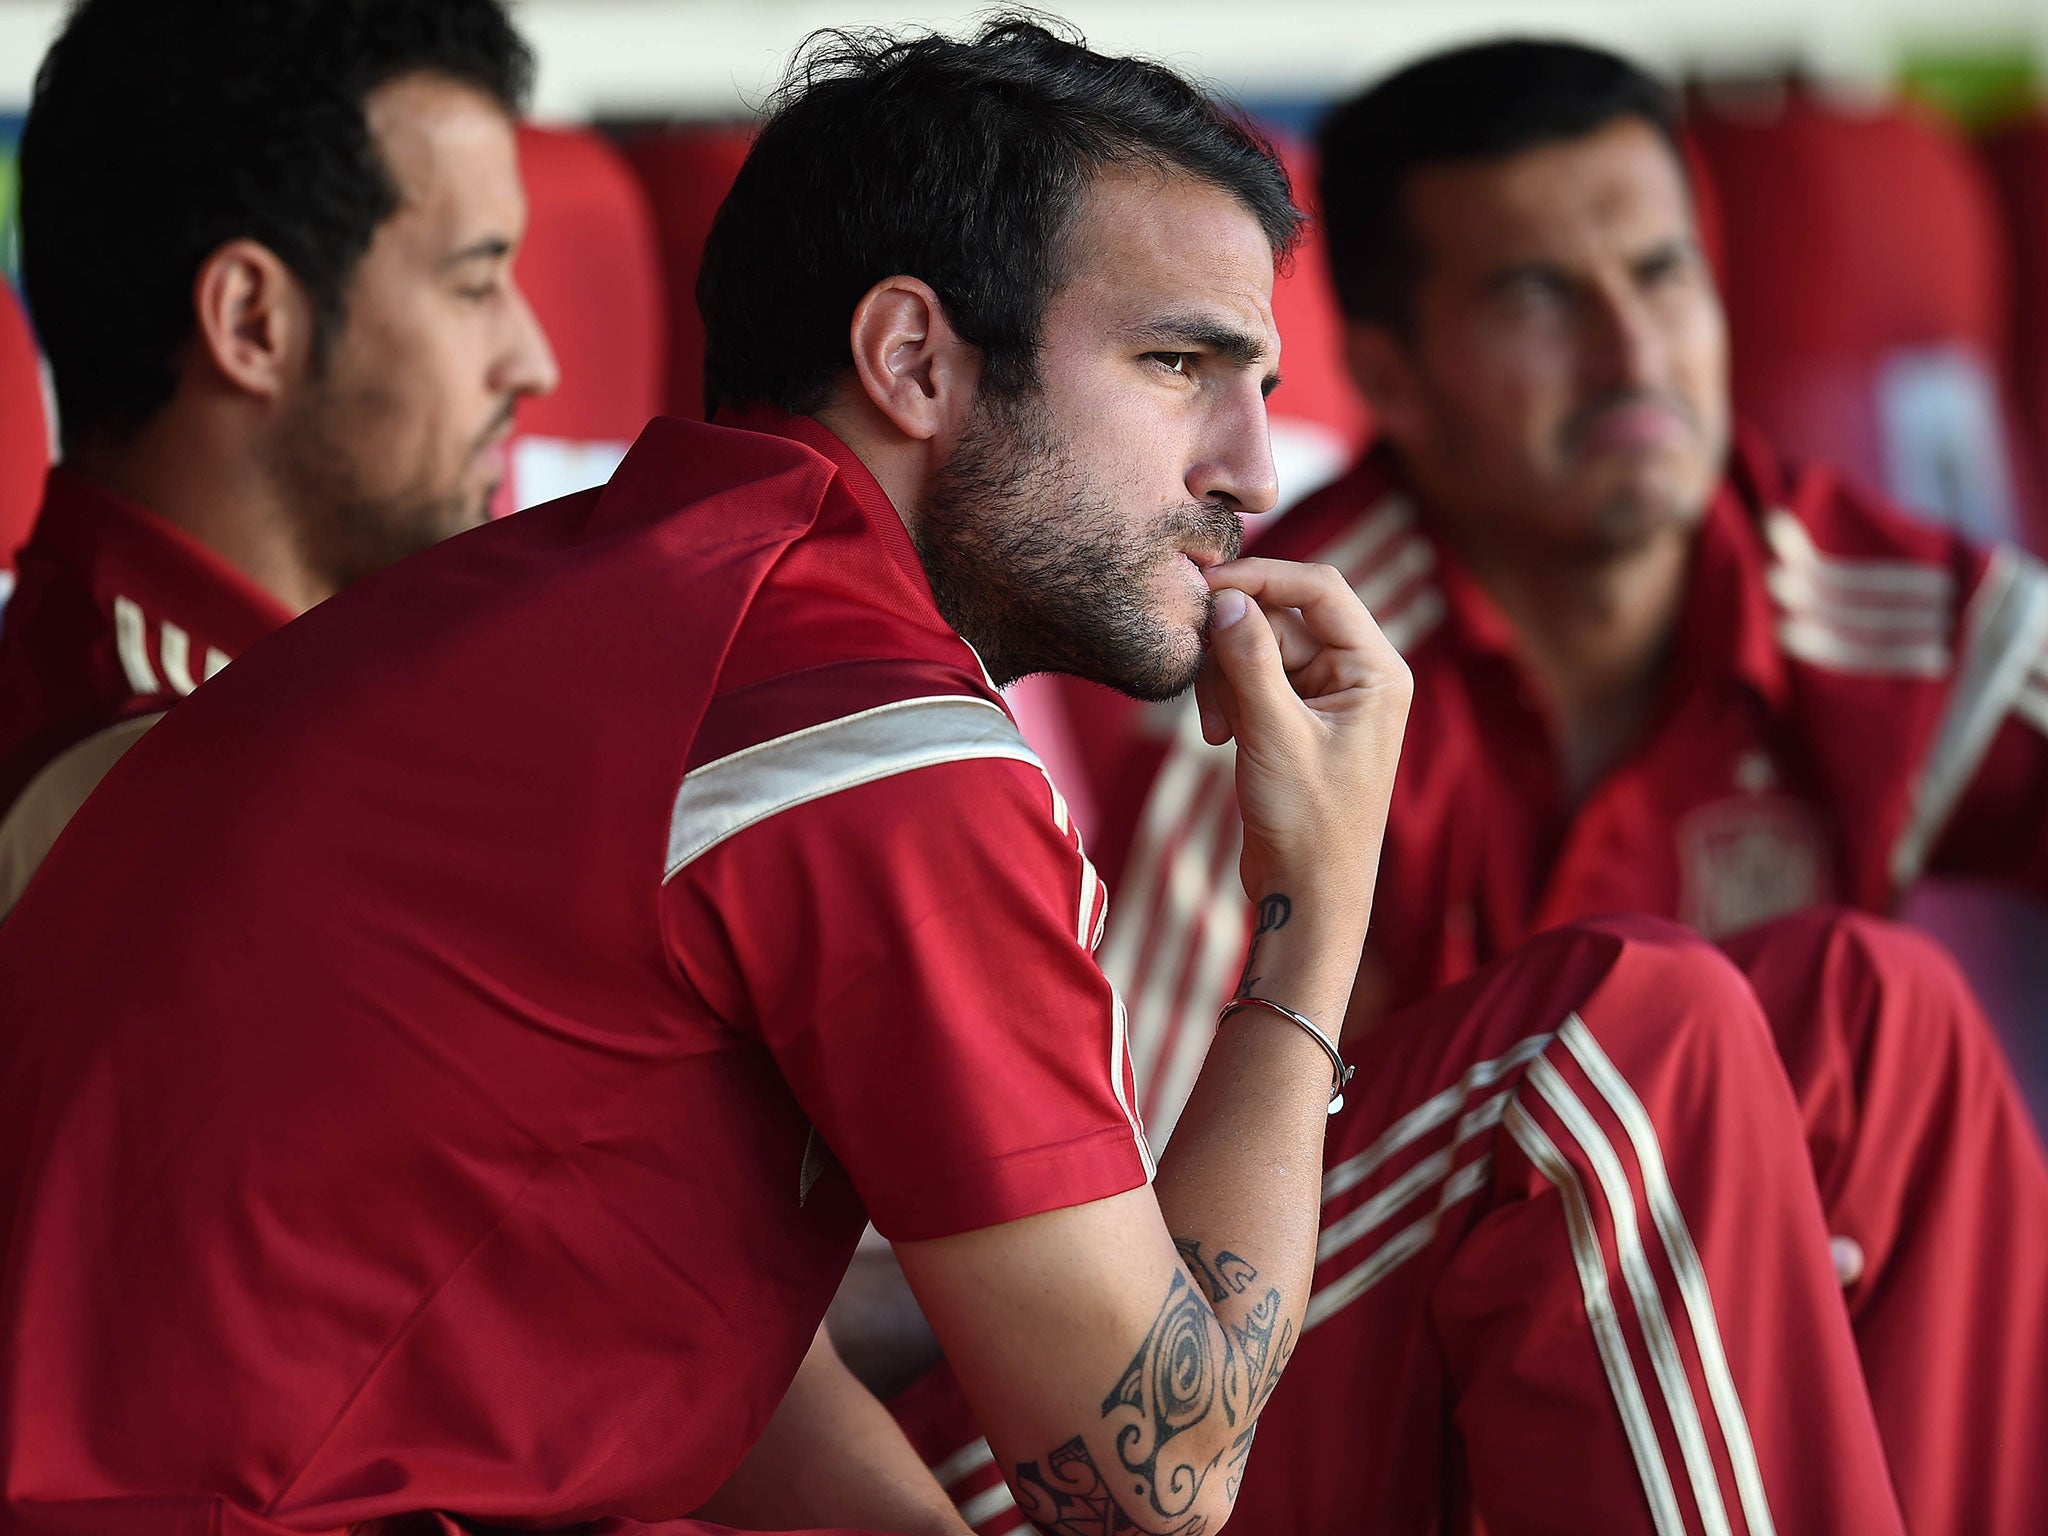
[
  {"x": 269, "y": 255},
  {"x": 1652, "y": 674}
]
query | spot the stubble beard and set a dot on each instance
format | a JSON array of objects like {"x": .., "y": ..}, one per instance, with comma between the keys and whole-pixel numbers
[
  {"x": 346, "y": 530},
  {"x": 1038, "y": 574}
]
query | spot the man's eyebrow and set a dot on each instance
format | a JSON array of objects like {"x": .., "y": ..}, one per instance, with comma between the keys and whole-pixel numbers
[
  {"x": 491, "y": 247},
  {"x": 1244, "y": 349}
]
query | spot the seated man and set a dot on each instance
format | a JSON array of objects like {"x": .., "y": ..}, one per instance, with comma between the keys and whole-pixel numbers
[
  {"x": 527, "y": 972},
  {"x": 1652, "y": 674},
  {"x": 269, "y": 253}
]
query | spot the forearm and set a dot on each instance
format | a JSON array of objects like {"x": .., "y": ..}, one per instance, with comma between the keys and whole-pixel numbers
[{"x": 832, "y": 1456}]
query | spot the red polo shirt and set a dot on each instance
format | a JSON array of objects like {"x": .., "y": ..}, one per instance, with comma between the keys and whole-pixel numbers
[
  {"x": 525, "y": 975},
  {"x": 117, "y": 614}
]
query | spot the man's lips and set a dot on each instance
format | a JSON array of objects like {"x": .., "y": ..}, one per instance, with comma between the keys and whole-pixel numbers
[{"x": 1634, "y": 425}]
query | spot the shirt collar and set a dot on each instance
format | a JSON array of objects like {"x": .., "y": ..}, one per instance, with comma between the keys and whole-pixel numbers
[
  {"x": 119, "y": 548},
  {"x": 858, "y": 479}
]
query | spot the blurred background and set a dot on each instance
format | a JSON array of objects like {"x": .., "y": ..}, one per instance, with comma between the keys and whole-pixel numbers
[{"x": 1872, "y": 175}]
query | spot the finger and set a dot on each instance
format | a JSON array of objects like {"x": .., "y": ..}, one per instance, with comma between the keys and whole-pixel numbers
[
  {"x": 1208, "y": 682},
  {"x": 1327, "y": 605},
  {"x": 1246, "y": 655}
]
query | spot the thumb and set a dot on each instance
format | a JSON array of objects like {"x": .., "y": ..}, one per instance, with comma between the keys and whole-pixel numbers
[{"x": 1245, "y": 650}]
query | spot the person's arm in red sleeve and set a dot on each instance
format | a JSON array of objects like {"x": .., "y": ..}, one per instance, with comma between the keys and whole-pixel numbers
[{"x": 914, "y": 948}]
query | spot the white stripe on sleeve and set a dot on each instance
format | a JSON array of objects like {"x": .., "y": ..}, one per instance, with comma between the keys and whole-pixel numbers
[
  {"x": 131, "y": 639},
  {"x": 725, "y": 797}
]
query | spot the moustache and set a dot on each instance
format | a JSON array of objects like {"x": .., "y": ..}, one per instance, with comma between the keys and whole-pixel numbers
[
  {"x": 1208, "y": 526},
  {"x": 1581, "y": 422}
]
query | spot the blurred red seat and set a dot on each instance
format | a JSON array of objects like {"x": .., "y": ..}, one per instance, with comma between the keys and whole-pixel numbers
[
  {"x": 24, "y": 432},
  {"x": 1868, "y": 300},
  {"x": 686, "y": 172},
  {"x": 591, "y": 271}
]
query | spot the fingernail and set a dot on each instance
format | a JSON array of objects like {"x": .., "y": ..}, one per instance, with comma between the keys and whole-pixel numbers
[{"x": 1228, "y": 609}]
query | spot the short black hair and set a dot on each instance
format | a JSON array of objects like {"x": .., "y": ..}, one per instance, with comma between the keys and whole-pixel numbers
[
  {"x": 956, "y": 162},
  {"x": 1483, "y": 102},
  {"x": 161, "y": 129}
]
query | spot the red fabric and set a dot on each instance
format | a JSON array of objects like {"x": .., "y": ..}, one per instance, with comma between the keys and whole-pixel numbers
[
  {"x": 2017, "y": 157},
  {"x": 458, "y": 1130},
  {"x": 1616, "y": 1085},
  {"x": 1851, "y": 238},
  {"x": 1448, "y": 1377},
  {"x": 687, "y": 172},
  {"x": 62, "y": 673},
  {"x": 590, "y": 269},
  {"x": 24, "y": 428}
]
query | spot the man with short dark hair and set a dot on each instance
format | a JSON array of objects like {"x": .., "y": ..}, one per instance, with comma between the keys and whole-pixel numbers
[
  {"x": 1655, "y": 672},
  {"x": 268, "y": 248}
]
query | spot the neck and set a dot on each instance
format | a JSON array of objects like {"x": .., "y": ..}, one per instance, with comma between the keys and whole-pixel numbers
[
  {"x": 220, "y": 493},
  {"x": 1597, "y": 632}
]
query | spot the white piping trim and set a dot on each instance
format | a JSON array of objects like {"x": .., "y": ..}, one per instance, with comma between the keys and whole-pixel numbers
[
  {"x": 1415, "y": 558},
  {"x": 1797, "y": 592},
  {"x": 1685, "y": 1264},
  {"x": 2032, "y": 705},
  {"x": 1600, "y": 1313},
  {"x": 1658, "y": 1337},
  {"x": 1429, "y": 1114},
  {"x": 1398, "y": 1249},
  {"x": 1811, "y": 641},
  {"x": 1429, "y": 1172},
  {"x": 725, "y": 797},
  {"x": 2005, "y": 632},
  {"x": 1353, "y": 550},
  {"x": 1414, "y": 621},
  {"x": 216, "y": 660},
  {"x": 131, "y": 639},
  {"x": 1903, "y": 579},
  {"x": 1119, "y": 1048}
]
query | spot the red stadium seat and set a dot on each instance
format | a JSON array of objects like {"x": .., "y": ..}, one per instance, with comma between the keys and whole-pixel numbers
[
  {"x": 24, "y": 432},
  {"x": 687, "y": 172},
  {"x": 590, "y": 269},
  {"x": 1867, "y": 301}
]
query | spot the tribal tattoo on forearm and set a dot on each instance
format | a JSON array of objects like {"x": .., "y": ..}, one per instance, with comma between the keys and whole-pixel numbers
[
  {"x": 1274, "y": 911},
  {"x": 1211, "y": 1358}
]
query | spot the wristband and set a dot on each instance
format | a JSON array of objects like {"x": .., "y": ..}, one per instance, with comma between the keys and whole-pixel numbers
[{"x": 1340, "y": 1072}]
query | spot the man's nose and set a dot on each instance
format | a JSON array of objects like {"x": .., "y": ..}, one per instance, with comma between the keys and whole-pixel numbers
[
  {"x": 1234, "y": 463},
  {"x": 1627, "y": 349},
  {"x": 527, "y": 365}
]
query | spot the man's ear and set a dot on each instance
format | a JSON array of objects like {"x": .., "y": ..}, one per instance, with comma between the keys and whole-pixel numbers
[
  {"x": 254, "y": 318},
  {"x": 912, "y": 365},
  {"x": 1383, "y": 368}
]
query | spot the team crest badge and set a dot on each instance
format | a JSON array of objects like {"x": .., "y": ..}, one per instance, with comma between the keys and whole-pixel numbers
[{"x": 1745, "y": 861}]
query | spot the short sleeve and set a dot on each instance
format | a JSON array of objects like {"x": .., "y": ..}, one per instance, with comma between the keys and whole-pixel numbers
[{"x": 897, "y": 904}]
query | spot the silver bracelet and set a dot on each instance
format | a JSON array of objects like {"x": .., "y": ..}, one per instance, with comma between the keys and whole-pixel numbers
[{"x": 1339, "y": 1070}]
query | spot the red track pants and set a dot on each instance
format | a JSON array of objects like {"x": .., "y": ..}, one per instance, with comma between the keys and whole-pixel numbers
[{"x": 1575, "y": 1270}]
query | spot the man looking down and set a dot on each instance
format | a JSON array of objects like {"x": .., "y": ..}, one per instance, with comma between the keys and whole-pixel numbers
[
  {"x": 268, "y": 248},
  {"x": 525, "y": 974}
]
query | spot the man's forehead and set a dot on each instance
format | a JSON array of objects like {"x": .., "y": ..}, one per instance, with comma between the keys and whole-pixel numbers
[
  {"x": 1621, "y": 182},
  {"x": 451, "y": 151},
  {"x": 1152, "y": 243}
]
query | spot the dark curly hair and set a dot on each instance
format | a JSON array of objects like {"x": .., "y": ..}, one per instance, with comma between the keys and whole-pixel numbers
[
  {"x": 1483, "y": 102},
  {"x": 957, "y": 162},
  {"x": 160, "y": 129}
]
